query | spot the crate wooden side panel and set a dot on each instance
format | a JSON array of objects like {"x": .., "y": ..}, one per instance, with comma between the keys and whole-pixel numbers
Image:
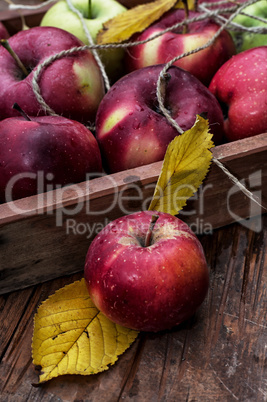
[
  {"x": 45, "y": 246},
  {"x": 13, "y": 21},
  {"x": 51, "y": 237},
  {"x": 218, "y": 355}
]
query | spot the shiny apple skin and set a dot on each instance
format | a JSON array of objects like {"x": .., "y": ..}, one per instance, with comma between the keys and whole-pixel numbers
[
  {"x": 130, "y": 128},
  {"x": 202, "y": 64},
  {"x": 147, "y": 288},
  {"x": 241, "y": 85},
  {"x": 72, "y": 85},
  {"x": 64, "y": 151},
  {"x": 4, "y": 34}
]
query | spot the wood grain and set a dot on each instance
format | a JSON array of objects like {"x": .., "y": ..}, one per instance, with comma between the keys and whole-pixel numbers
[
  {"x": 41, "y": 236},
  {"x": 219, "y": 354}
]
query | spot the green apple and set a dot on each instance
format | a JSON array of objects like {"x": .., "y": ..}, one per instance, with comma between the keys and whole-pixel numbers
[
  {"x": 246, "y": 40},
  {"x": 95, "y": 14}
]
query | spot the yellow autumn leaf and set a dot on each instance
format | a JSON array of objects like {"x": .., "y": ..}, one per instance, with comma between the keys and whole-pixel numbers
[
  {"x": 123, "y": 26},
  {"x": 71, "y": 336},
  {"x": 190, "y": 4},
  {"x": 186, "y": 163}
]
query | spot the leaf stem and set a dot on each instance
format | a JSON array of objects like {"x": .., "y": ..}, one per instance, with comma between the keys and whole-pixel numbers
[
  {"x": 186, "y": 9},
  {"x": 21, "y": 111},
  {"x": 153, "y": 221},
  {"x": 6, "y": 45}
]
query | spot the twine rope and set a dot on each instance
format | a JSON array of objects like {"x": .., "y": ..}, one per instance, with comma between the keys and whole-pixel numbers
[
  {"x": 235, "y": 181},
  {"x": 91, "y": 42},
  {"x": 163, "y": 76},
  {"x": 94, "y": 47},
  {"x": 161, "y": 89},
  {"x": 64, "y": 53},
  {"x": 233, "y": 25},
  {"x": 30, "y": 7}
]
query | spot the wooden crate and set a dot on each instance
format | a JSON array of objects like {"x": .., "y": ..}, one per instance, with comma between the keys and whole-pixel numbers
[
  {"x": 47, "y": 236},
  {"x": 13, "y": 21}
]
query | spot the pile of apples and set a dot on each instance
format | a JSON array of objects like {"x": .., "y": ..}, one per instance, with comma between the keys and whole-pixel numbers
[
  {"x": 129, "y": 127},
  {"x": 60, "y": 120}
]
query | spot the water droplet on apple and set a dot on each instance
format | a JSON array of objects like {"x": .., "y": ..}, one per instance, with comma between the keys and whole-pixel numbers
[
  {"x": 136, "y": 124},
  {"x": 139, "y": 108}
]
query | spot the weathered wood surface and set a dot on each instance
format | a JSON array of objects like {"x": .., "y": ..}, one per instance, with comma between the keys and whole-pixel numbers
[{"x": 218, "y": 355}]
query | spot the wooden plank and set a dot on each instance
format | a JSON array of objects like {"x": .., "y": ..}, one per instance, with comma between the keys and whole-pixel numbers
[
  {"x": 12, "y": 19},
  {"x": 218, "y": 355},
  {"x": 53, "y": 230},
  {"x": 233, "y": 154}
]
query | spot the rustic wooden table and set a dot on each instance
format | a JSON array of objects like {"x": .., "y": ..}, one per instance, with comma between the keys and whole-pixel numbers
[{"x": 220, "y": 354}]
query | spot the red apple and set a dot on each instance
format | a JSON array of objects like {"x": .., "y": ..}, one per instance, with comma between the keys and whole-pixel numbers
[
  {"x": 143, "y": 277},
  {"x": 3, "y": 31},
  {"x": 130, "y": 128},
  {"x": 59, "y": 150},
  {"x": 202, "y": 64},
  {"x": 241, "y": 85},
  {"x": 72, "y": 86}
]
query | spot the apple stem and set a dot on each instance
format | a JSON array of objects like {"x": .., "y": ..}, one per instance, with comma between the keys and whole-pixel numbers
[
  {"x": 89, "y": 9},
  {"x": 150, "y": 230},
  {"x": 186, "y": 9},
  {"x": 6, "y": 45},
  {"x": 18, "y": 108}
]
